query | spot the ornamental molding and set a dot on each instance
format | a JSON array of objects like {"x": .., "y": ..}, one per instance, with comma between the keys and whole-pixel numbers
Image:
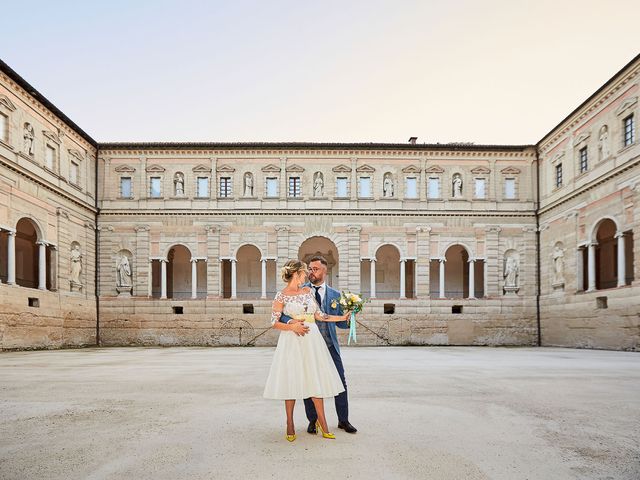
[
  {"x": 435, "y": 169},
  {"x": 142, "y": 228},
  {"x": 365, "y": 169},
  {"x": 342, "y": 168},
  {"x": 582, "y": 137},
  {"x": 124, "y": 169},
  {"x": 557, "y": 157},
  {"x": 225, "y": 169},
  {"x": 493, "y": 229},
  {"x": 423, "y": 229},
  {"x": 628, "y": 103},
  {"x": 155, "y": 168},
  {"x": 354, "y": 229},
  {"x": 76, "y": 154},
  {"x": 411, "y": 169},
  {"x": 201, "y": 169},
  {"x": 271, "y": 168},
  {"x": 481, "y": 171},
  {"x": 282, "y": 228},
  {"x": 54, "y": 137},
  {"x": 295, "y": 168},
  {"x": 510, "y": 171},
  {"x": 4, "y": 100},
  {"x": 61, "y": 212}
]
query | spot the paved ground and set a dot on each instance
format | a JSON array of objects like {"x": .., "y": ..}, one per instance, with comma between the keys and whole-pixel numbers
[{"x": 197, "y": 413}]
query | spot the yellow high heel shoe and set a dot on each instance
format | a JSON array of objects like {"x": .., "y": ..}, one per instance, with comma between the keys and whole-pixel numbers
[
  {"x": 291, "y": 438},
  {"x": 324, "y": 435}
]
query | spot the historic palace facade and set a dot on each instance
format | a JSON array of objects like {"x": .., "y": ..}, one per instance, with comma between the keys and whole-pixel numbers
[{"x": 455, "y": 244}]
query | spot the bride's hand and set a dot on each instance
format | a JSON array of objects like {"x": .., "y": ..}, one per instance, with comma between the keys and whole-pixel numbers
[{"x": 299, "y": 328}]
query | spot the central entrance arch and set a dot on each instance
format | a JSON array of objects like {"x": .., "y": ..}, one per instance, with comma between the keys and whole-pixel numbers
[{"x": 322, "y": 246}]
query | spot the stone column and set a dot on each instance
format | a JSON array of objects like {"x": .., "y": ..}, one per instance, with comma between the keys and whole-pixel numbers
[
  {"x": 372, "y": 275},
  {"x": 213, "y": 263},
  {"x": 194, "y": 278},
  {"x": 150, "y": 279},
  {"x": 42, "y": 265},
  {"x": 282, "y": 245},
  {"x": 592, "y": 267},
  {"x": 353, "y": 272},
  {"x": 263, "y": 293},
  {"x": 163, "y": 277},
  {"x": 472, "y": 278},
  {"x": 53, "y": 268},
  {"x": 140, "y": 265},
  {"x": 422, "y": 272},
  {"x": 11, "y": 258},
  {"x": 621, "y": 259},
  {"x": 233, "y": 278},
  {"x": 493, "y": 272},
  {"x": 441, "y": 279},
  {"x": 403, "y": 264}
]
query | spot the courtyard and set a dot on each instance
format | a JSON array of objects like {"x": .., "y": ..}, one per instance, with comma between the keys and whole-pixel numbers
[{"x": 441, "y": 413}]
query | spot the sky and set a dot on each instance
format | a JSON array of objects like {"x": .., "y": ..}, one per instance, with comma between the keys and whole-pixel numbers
[{"x": 488, "y": 72}]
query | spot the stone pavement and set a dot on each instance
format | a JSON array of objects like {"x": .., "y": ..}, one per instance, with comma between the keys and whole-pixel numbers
[{"x": 439, "y": 413}]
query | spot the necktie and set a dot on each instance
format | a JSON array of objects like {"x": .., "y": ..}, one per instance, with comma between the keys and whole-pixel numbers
[{"x": 318, "y": 298}]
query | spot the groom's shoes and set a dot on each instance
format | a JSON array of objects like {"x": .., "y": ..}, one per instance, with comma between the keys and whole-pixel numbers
[
  {"x": 312, "y": 427},
  {"x": 347, "y": 427}
]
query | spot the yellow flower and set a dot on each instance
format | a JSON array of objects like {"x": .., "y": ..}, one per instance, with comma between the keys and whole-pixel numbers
[
  {"x": 343, "y": 302},
  {"x": 334, "y": 304},
  {"x": 357, "y": 299}
]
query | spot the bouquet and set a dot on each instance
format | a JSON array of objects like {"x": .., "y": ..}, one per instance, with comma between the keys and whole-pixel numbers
[{"x": 353, "y": 303}]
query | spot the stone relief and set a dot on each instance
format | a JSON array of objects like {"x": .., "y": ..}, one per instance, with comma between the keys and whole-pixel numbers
[
  {"x": 511, "y": 272},
  {"x": 387, "y": 185},
  {"x": 123, "y": 274},
  {"x": 178, "y": 182},
  {"x": 457, "y": 186},
  {"x": 29, "y": 136},
  {"x": 75, "y": 267},
  {"x": 248, "y": 185},
  {"x": 318, "y": 184}
]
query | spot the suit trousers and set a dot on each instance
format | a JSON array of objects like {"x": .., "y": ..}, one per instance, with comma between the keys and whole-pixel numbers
[{"x": 341, "y": 400}]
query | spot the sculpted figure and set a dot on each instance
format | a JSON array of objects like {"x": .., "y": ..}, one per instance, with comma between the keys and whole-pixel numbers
[
  {"x": 318, "y": 185},
  {"x": 178, "y": 181},
  {"x": 511, "y": 272},
  {"x": 603, "y": 143},
  {"x": 28, "y": 136},
  {"x": 124, "y": 272},
  {"x": 387, "y": 186},
  {"x": 248, "y": 185},
  {"x": 457, "y": 186},
  {"x": 76, "y": 265},
  {"x": 558, "y": 265}
]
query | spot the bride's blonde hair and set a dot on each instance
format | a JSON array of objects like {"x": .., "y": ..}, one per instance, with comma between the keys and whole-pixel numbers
[{"x": 291, "y": 268}]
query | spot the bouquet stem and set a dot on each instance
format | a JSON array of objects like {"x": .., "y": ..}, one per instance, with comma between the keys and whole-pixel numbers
[{"x": 352, "y": 329}]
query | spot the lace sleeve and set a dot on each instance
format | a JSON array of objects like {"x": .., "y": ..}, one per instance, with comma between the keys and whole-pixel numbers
[{"x": 276, "y": 308}]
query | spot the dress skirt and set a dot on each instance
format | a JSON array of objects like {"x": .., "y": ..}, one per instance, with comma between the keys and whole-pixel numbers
[{"x": 302, "y": 367}]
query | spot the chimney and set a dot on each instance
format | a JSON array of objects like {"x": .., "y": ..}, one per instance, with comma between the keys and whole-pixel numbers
[{"x": 412, "y": 140}]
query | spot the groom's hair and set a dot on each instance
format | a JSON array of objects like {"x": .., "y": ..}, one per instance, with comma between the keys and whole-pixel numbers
[{"x": 319, "y": 258}]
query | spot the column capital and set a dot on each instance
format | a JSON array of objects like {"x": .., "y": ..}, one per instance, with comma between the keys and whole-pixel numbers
[
  {"x": 442, "y": 260},
  {"x": 471, "y": 260},
  {"x": 618, "y": 235}
]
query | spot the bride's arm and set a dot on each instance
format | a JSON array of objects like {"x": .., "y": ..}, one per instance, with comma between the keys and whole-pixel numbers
[
  {"x": 331, "y": 318},
  {"x": 298, "y": 328}
]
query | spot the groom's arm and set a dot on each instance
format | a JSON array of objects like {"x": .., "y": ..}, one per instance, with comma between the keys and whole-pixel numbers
[
  {"x": 285, "y": 318},
  {"x": 340, "y": 312}
]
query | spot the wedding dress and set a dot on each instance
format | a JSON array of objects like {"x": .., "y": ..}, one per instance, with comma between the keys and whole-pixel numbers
[{"x": 302, "y": 366}]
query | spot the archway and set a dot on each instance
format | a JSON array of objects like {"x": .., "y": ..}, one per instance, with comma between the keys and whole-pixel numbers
[
  {"x": 456, "y": 272},
  {"x": 387, "y": 272},
  {"x": 28, "y": 261},
  {"x": 322, "y": 246},
  {"x": 179, "y": 272},
  {"x": 249, "y": 274},
  {"x": 606, "y": 255}
]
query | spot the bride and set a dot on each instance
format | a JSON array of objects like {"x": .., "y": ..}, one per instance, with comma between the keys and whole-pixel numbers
[{"x": 302, "y": 366}]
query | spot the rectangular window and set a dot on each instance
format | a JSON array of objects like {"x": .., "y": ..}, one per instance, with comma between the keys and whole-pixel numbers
[
  {"x": 412, "y": 188},
  {"x": 225, "y": 187},
  {"x": 629, "y": 133},
  {"x": 342, "y": 187},
  {"x": 434, "y": 187},
  {"x": 4, "y": 128},
  {"x": 156, "y": 187},
  {"x": 49, "y": 157},
  {"x": 125, "y": 187},
  {"x": 558, "y": 175},
  {"x": 294, "y": 186},
  {"x": 272, "y": 187},
  {"x": 480, "y": 188},
  {"x": 510, "y": 188},
  {"x": 203, "y": 187},
  {"x": 584, "y": 164},
  {"x": 365, "y": 187},
  {"x": 73, "y": 173}
]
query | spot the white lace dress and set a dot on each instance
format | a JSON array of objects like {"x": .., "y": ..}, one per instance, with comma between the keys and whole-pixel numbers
[{"x": 302, "y": 367}]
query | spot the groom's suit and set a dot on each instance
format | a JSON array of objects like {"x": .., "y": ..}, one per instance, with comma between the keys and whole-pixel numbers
[{"x": 328, "y": 330}]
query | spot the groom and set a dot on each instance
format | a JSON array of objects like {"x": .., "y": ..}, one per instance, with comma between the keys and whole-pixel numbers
[{"x": 328, "y": 299}]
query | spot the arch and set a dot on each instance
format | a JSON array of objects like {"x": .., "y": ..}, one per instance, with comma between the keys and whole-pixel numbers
[
  {"x": 27, "y": 253},
  {"x": 245, "y": 244},
  {"x": 456, "y": 271},
  {"x": 173, "y": 245},
  {"x": 179, "y": 272},
  {"x": 470, "y": 251},
  {"x": 387, "y": 274},
  {"x": 606, "y": 253},
  {"x": 394, "y": 244},
  {"x": 322, "y": 245},
  {"x": 36, "y": 225},
  {"x": 596, "y": 226},
  {"x": 248, "y": 271}
]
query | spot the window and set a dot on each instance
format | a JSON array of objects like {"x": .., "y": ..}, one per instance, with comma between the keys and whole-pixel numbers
[
  {"x": 4, "y": 128},
  {"x": 272, "y": 186},
  {"x": 558, "y": 175},
  {"x": 49, "y": 157},
  {"x": 156, "y": 190},
  {"x": 203, "y": 187},
  {"x": 365, "y": 187},
  {"x": 629, "y": 134},
  {"x": 73, "y": 173},
  {"x": 342, "y": 187},
  {"x": 584, "y": 165},
  {"x": 225, "y": 187},
  {"x": 294, "y": 186},
  {"x": 480, "y": 188},
  {"x": 434, "y": 187},
  {"x": 125, "y": 187},
  {"x": 510, "y": 188},
  {"x": 412, "y": 188}
]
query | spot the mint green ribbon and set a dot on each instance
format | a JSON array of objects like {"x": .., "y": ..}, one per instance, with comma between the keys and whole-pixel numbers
[{"x": 352, "y": 329}]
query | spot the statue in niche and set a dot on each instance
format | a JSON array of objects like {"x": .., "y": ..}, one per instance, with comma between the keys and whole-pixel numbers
[
  {"x": 248, "y": 185},
  {"x": 76, "y": 266},
  {"x": 603, "y": 143},
  {"x": 178, "y": 182},
  {"x": 123, "y": 279},
  {"x": 457, "y": 186},
  {"x": 558, "y": 265},
  {"x": 511, "y": 268},
  {"x": 387, "y": 186},
  {"x": 29, "y": 136},
  {"x": 318, "y": 185}
]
